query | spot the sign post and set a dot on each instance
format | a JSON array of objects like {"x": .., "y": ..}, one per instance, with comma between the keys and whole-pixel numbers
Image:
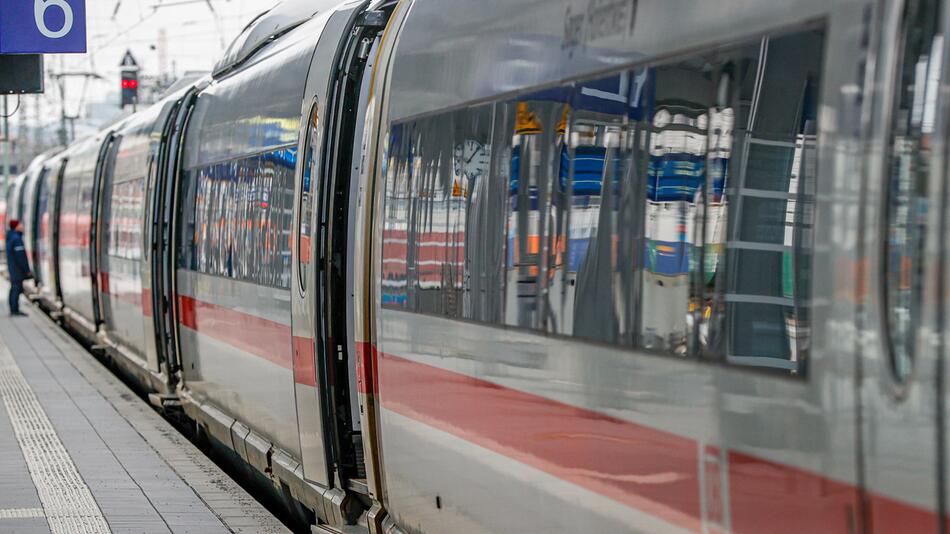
[{"x": 42, "y": 26}]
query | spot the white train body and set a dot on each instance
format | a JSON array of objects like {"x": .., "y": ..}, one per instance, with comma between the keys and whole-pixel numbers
[{"x": 523, "y": 266}]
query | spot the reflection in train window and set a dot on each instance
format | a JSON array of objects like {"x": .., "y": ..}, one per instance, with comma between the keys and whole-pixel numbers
[
  {"x": 125, "y": 207},
  {"x": 40, "y": 223},
  {"x": 429, "y": 198},
  {"x": 668, "y": 207},
  {"x": 240, "y": 223},
  {"x": 913, "y": 117}
]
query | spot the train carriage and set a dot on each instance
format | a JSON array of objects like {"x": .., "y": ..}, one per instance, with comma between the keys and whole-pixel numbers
[
  {"x": 35, "y": 197},
  {"x": 233, "y": 269},
  {"x": 124, "y": 242},
  {"x": 25, "y": 199},
  {"x": 76, "y": 200},
  {"x": 585, "y": 265},
  {"x": 720, "y": 394},
  {"x": 18, "y": 194}
]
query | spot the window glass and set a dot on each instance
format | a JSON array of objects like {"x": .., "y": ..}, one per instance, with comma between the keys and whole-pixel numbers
[
  {"x": 666, "y": 207},
  {"x": 41, "y": 224},
  {"x": 126, "y": 205},
  {"x": 918, "y": 76},
  {"x": 307, "y": 198},
  {"x": 240, "y": 223}
]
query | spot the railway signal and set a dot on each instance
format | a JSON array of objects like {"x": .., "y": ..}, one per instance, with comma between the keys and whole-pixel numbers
[
  {"x": 130, "y": 88},
  {"x": 129, "y": 80}
]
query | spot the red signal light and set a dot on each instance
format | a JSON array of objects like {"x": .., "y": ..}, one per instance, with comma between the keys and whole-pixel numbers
[{"x": 130, "y": 84}]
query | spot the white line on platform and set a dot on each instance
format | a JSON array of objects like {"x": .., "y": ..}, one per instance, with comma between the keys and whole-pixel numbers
[
  {"x": 67, "y": 502},
  {"x": 21, "y": 513}
]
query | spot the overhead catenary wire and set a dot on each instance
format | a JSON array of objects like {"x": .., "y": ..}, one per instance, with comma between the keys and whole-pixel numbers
[{"x": 132, "y": 28}]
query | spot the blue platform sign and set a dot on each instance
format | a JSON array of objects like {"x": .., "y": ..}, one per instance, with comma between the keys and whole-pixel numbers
[{"x": 42, "y": 26}]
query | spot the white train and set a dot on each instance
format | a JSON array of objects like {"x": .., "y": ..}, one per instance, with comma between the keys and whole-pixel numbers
[{"x": 538, "y": 266}]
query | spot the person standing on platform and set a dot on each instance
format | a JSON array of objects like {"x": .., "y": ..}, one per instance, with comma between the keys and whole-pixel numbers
[{"x": 17, "y": 265}]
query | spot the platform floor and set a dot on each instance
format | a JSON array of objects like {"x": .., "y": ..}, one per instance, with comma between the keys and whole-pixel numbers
[{"x": 80, "y": 452}]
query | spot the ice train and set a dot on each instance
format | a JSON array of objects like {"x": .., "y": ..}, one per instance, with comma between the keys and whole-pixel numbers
[{"x": 538, "y": 266}]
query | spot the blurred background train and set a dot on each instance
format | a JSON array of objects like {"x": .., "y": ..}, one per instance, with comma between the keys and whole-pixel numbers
[{"x": 537, "y": 266}]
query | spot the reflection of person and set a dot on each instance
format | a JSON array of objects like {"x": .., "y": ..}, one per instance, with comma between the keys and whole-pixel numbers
[{"x": 17, "y": 264}]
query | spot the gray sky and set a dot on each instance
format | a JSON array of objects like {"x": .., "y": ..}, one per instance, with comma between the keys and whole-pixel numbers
[{"x": 196, "y": 38}]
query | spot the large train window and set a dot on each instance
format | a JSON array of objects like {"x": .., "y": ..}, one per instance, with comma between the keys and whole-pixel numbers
[
  {"x": 667, "y": 207},
  {"x": 913, "y": 114},
  {"x": 237, "y": 218},
  {"x": 307, "y": 199}
]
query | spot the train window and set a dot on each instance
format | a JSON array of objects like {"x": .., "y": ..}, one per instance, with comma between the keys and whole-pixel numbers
[
  {"x": 666, "y": 207},
  {"x": 424, "y": 265},
  {"x": 307, "y": 198},
  {"x": 126, "y": 205},
  {"x": 912, "y": 124},
  {"x": 41, "y": 224},
  {"x": 238, "y": 218}
]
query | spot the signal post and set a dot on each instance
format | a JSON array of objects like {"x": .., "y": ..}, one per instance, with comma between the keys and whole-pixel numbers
[{"x": 130, "y": 81}]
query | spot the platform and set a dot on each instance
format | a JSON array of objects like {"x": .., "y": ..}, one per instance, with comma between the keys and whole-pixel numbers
[{"x": 81, "y": 453}]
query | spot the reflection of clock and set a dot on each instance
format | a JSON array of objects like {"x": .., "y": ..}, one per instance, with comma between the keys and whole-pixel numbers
[{"x": 471, "y": 159}]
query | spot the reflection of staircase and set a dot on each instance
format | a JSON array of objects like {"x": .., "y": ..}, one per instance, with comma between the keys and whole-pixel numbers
[{"x": 762, "y": 243}]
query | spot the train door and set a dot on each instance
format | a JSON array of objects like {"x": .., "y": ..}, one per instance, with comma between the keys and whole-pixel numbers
[
  {"x": 163, "y": 246},
  {"x": 900, "y": 355},
  {"x": 32, "y": 191},
  {"x": 56, "y": 195},
  {"x": 159, "y": 266},
  {"x": 325, "y": 380},
  {"x": 38, "y": 219},
  {"x": 103, "y": 172}
]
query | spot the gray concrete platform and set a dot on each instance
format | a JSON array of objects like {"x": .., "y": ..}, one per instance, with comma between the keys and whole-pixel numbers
[{"x": 80, "y": 452}]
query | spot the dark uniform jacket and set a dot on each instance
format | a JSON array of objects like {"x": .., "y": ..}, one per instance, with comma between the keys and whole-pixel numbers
[{"x": 17, "y": 263}]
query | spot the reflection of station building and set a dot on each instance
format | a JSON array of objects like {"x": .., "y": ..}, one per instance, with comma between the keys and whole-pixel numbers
[
  {"x": 553, "y": 245},
  {"x": 714, "y": 252},
  {"x": 674, "y": 220}
]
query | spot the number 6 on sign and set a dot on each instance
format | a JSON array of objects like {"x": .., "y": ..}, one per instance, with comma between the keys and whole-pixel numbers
[
  {"x": 42, "y": 26},
  {"x": 39, "y": 15}
]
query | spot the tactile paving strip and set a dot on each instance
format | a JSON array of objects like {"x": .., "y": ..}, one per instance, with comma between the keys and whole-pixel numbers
[
  {"x": 68, "y": 504},
  {"x": 21, "y": 513}
]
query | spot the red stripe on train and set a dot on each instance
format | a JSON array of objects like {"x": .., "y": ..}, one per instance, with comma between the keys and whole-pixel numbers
[
  {"x": 141, "y": 300},
  {"x": 647, "y": 469},
  {"x": 264, "y": 338},
  {"x": 147, "y": 301},
  {"x": 305, "y": 371},
  {"x": 366, "y": 361},
  {"x": 771, "y": 497},
  {"x": 258, "y": 336}
]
